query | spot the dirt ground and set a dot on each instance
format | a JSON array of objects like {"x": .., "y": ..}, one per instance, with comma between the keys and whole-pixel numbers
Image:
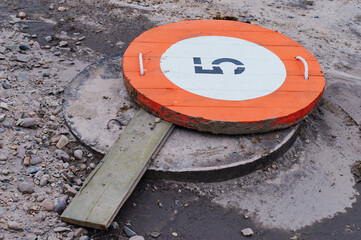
[{"x": 311, "y": 194}]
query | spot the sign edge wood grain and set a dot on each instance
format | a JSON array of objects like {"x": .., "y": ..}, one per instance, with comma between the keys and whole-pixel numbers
[{"x": 140, "y": 141}]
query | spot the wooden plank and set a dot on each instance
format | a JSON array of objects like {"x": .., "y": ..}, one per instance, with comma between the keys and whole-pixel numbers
[{"x": 113, "y": 180}]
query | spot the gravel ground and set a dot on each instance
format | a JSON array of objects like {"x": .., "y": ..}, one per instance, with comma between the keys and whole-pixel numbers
[{"x": 309, "y": 195}]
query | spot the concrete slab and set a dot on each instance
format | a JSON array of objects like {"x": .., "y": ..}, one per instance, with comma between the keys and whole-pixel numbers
[{"x": 97, "y": 106}]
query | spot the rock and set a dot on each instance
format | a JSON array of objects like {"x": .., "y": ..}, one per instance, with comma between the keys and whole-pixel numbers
[
  {"x": 63, "y": 43},
  {"x": 80, "y": 231},
  {"x": 4, "y": 106},
  {"x": 2, "y": 57},
  {"x": 22, "y": 58},
  {"x": 31, "y": 236},
  {"x": 26, "y": 161},
  {"x": 62, "y": 229},
  {"x": 32, "y": 170},
  {"x": 15, "y": 225},
  {"x": 25, "y": 187},
  {"x": 78, "y": 154},
  {"x": 84, "y": 238},
  {"x": 155, "y": 234},
  {"x": 82, "y": 167},
  {"x": 63, "y": 141},
  {"x": 115, "y": 225},
  {"x": 129, "y": 232},
  {"x": 60, "y": 204},
  {"x": 40, "y": 198},
  {"x": 62, "y": 9},
  {"x": 92, "y": 165},
  {"x": 21, "y": 15},
  {"x": 3, "y": 158},
  {"x": 137, "y": 238},
  {"x": 2, "y": 117},
  {"x": 247, "y": 232},
  {"x": 174, "y": 234},
  {"x": 69, "y": 190},
  {"x": 27, "y": 122},
  {"x": 48, "y": 38},
  {"x": 21, "y": 152},
  {"x": 294, "y": 238},
  {"x": 43, "y": 181},
  {"x": 6, "y": 85},
  {"x": 48, "y": 205},
  {"x": 35, "y": 160}
]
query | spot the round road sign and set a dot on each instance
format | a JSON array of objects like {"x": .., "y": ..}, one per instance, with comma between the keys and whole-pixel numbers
[{"x": 222, "y": 76}]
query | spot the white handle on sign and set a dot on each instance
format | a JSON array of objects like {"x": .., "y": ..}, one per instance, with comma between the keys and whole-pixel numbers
[
  {"x": 141, "y": 64},
  {"x": 305, "y": 64}
]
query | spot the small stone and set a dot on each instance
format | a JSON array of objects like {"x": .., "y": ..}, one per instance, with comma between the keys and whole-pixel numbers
[
  {"x": 62, "y": 229},
  {"x": 48, "y": 38},
  {"x": 25, "y": 187},
  {"x": 62, "y": 9},
  {"x": 6, "y": 85},
  {"x": 43, "y": 181},
  {"x": 2, "y": 117},
  {"x": 137, "y": 238},
  {"x": 157, "y": 120},
  {"x": 307, "y": 141},
  {"x": 60, "y": 205},
  {"x": 35, "y": 160},
  {"x": 115, "y": 225},
  {"x": 3, "y": 158},
  {"x": 48, "y": 205},
  {"x": 92, "y": 165},
  {"x": 80, "y": 231},
  {"x": 27, "y": 122},
  {"x": 32, "y": 170},
  {"x": 26, "y": 161},
  {"x": 294, "y": 238},
  {"x": 69, "y": 190},
  {"x": 21, "y": 15},
  {"x": 63, "y": 141},
  {"x": 78, "y": 154},
  {"x": 15, "y": 225},
  {"x": 31, "y": 236},
  {"x": 82, "y": 167},
  {"x": 84, "y": 237},
  {"x": 22, "y": 58},
  {"x": 63, "y": 43},
  {"x": 4, "y": 106},
  {"x": 174, "y": 234},
  {"x": 247, "y": 232},
  {"x": 40, "y": 198},
  {"x": 155, "y": 234},
  {"x": 129, "y": 232}
]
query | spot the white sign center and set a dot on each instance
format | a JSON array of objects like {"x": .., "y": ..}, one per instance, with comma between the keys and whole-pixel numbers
[{"x": 223, "y": 68}]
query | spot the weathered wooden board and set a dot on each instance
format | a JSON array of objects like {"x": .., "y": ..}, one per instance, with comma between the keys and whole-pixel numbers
[{"x": 113, "y": 180}]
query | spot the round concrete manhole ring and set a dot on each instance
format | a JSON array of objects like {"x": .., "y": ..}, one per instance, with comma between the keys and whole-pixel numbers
[{"x": 97, "y": 108}]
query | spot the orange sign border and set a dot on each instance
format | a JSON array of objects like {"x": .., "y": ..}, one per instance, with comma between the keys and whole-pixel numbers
[{"x": 286, "y": 106}]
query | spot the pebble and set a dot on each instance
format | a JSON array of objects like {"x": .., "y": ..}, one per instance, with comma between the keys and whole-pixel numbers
[
  {"x": 4, "y": 106},
  {"x": 247, "y": 232},
  {"x": 21, "y": 15},
  {"x": 26, "y": 161},
  {"x": 22, "y": 58},
  {"x": 137, "y": 238},
  {"x": 35, "y": 160},
  {"x": 129, "y": 232},
  {"x": 155, "y": 234},
  {"x": 78, "y": 154},
  {"x": 294, "y": 238},
  {"x": 27, "y": 122},
  {"x": 62, "y": 9},
  {"x": 92, "y": 165},
  {"x": 115, "y": 225},
  {"x": 15, "y": 225},
  {"x": 63, "y": 141},
  {"x": 3, "y": 158},
  {"x": 62, "y": 229},
  {"x": 63, "y": 43},
  {"x": 80, "y": 231},
  {"x": 48, "y": 38},
  {"x": 69, "y": 190},
  {"x": 174, "y": 234},
  {"x": 25, "y": 187},
  {"x": 60, "y": 204},
  {"x": 43, "y": 181},
  {"x": 48, "y": 205}
]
